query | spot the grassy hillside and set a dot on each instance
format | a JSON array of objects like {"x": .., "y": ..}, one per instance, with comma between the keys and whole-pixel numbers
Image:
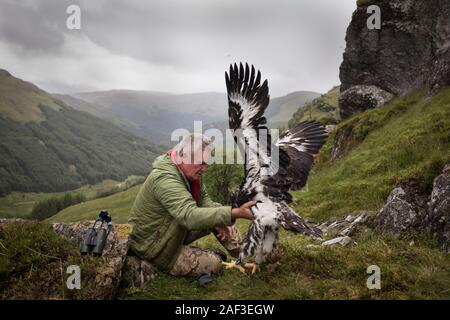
[
  {"x": 64, "y": 148},
  {"x": 20, "y": 100},
  {"x": 19, "y": 204},
  {"x": 97, "y": 110},
  {"x": 408, "y": 139},
  {"x": 324, "y": 109},
  {"x": 118, "y": 205}
]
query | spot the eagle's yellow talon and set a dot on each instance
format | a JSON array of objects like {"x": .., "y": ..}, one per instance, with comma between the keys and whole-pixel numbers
[
  {"x": 232, "y": 264},
  {"x": 252, "y": 266}
]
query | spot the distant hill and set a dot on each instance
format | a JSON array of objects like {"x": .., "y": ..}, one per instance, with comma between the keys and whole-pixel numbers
[
  {"x": 281, "y": 109},
  {"x": 154, "y": 115},
  {"x": 47, "y": 146}
]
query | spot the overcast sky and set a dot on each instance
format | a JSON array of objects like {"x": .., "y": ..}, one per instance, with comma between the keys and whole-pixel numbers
[{"x": 181, "y": 46}]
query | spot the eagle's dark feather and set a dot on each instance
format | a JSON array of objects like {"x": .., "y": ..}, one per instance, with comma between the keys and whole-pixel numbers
[{"x": 263, "y": 180}]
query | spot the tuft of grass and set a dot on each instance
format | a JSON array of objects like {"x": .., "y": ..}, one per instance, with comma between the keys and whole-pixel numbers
[
  {"x": 408, "y": 139},
  {"x": 33, "y": 263}
]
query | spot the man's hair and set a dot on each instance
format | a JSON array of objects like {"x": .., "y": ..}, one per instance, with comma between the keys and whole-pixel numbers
[{"x": 191, "y": 147}]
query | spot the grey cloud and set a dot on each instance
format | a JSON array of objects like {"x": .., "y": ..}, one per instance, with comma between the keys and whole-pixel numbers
[{"x": 296, "y": 42}]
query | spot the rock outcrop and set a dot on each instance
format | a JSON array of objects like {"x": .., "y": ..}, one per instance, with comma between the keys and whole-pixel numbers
[
  {"x": 403, "y": 212},
  {"x": 438, "y": 219},
  {"x": 361, "y": 97},
  {"x": 119, "y": 271},
  {"x": 409, "y": 210},
  {"x": 410, "y": 51}
]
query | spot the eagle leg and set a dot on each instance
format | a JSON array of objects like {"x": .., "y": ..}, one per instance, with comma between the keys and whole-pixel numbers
[
  {"x": 233, "y": 265},
  {"x": 253, "y": 266}
]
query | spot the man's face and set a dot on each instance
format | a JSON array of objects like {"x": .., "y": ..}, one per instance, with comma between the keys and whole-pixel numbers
[{"x": 193, "y": 171}]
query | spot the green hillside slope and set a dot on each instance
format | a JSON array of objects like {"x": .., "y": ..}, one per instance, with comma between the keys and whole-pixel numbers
[
  {"x": 408, "y": 139},
  {"x": 60, "y": 148},
  {"x": 324, "y": 109},
  {"x": 118, "y": 205}
]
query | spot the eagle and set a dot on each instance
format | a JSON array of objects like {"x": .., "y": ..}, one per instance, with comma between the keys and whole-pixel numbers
[{"x": 271, "y": 169}]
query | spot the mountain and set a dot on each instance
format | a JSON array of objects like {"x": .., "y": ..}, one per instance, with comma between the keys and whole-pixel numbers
[
  {"x": 154, "y": 115},
  {"x": 96, "y": 110},
  {"x": 47, "y": 146}
]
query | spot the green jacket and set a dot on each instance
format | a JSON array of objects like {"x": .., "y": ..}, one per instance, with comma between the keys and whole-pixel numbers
[{"x": 164, "y": 211}]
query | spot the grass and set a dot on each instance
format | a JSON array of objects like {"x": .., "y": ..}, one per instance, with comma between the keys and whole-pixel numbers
[
  {"x": 20, "y": 204},
  {"x": 20, "y": 100},
  {"x": 118, "y": 205},
  {"x": 33, "y": 263}
]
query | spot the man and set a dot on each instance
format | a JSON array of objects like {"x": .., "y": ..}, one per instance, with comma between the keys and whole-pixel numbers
[{"x": 173, "y": 209}]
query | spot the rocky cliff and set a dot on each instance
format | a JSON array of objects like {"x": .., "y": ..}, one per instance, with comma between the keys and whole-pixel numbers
[{"x": 410, "y": 51}]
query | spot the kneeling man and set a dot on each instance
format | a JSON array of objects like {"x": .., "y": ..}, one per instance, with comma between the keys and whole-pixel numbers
[{"x": 173, "y": 209}]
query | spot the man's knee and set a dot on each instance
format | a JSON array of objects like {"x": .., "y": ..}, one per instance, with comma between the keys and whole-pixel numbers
[{"x": 195, "y": 262}]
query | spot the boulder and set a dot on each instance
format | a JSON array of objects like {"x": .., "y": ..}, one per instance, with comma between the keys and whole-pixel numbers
[
  {"x": 403, "y": 213},
  {"x": 409, "y": 52},
  {"x": 438, "y": 218},
  {"x": 362, "y": 97}
]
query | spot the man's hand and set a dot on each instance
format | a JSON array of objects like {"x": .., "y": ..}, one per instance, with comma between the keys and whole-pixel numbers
[
  {"x": 244, "y": 211},
  {"x": 223, "y": 232}
]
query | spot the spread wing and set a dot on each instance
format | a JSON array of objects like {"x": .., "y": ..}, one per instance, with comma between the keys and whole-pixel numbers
[
  {"x": 247, "y": 102},
  {"x": 270, "y": 174}
]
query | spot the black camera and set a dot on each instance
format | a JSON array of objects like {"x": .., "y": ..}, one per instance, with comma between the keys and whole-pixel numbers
[{"x": 94, "y": 239}]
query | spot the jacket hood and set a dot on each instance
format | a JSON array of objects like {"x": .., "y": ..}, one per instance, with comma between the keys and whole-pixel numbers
[{"x": 164, "y": 162}]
